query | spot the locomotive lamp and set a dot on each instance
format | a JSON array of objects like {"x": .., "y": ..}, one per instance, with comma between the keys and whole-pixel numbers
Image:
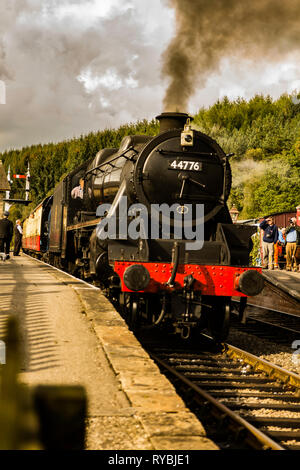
[
  {"x": 250, "y": 283},
  {"x": 187, "y": 135},
  {"x": 136, "y": 277},
  {"x": 234, "y": 213}
]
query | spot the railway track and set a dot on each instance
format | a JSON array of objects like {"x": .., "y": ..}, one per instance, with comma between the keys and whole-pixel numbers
[
  {"x": 253, "y": 403},
  {"x": 279, "y": 327}
]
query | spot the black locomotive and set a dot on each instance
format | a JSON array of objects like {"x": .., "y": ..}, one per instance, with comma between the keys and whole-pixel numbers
[{"x": 161, "y": 279}]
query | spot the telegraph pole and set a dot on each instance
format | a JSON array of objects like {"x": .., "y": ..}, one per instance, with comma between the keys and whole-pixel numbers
[
  {"x": 7, "y": 193},
  {"x": 27, "y": 186}
]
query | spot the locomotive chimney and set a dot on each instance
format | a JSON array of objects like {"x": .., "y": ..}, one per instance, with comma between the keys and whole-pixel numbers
[{"x": 172, "y": 121}]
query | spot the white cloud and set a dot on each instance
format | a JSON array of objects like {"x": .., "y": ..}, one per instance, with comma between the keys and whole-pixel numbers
[
  {"x": 71, "y": 65},
  {"x": 90, "y": 11},
  {"x": 74, "y": 66}
]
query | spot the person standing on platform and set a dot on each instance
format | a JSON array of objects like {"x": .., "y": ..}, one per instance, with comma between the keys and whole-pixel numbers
[
  {"x": 6, "y": 233},
  {"x": 270, "y": 237},
  {"x": 278, "y": 247},
  {"x": 292, "y": 240},
  {"x": 18, "y": 238}
]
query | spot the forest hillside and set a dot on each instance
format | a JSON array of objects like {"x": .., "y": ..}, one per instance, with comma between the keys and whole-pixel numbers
[{"x": 263, "y": 134}]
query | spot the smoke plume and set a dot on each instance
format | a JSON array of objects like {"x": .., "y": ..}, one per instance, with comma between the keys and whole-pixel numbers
[{"x": 207, "y": 31}]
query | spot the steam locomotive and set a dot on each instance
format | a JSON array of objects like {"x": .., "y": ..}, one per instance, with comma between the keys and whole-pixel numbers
[{"x": 163, "y": 279}]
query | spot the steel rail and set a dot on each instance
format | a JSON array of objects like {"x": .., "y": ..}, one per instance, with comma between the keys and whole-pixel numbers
[
  {"x": 254, "y": 437},
  {"x": 272, "y": 325},
  {"x": 274, "y": 371},
  {"x": 263, "y": 315}
]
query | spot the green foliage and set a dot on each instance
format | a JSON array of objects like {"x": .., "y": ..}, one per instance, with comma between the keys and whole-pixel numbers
[
  {"x": 50, "y": 162},
  {"x": 263, "y": 134},
  {"x": 254, "y": 154},
  {"x": 255, "y": 252}
]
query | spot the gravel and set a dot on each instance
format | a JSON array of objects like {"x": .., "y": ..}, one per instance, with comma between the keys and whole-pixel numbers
[{"x": 280, "y": 355}]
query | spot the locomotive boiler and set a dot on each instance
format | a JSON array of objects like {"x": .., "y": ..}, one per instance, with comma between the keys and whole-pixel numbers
[{"x": 160, "y": 279}]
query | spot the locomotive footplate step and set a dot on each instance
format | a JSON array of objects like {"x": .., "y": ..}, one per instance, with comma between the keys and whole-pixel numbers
[{"x": 71, "y": 334}]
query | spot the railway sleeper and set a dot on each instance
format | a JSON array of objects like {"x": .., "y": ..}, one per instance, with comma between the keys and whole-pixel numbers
[
  {"x": 274, "y": 396},
  {"x": 264, "y": 406},
  {"x": 275, "y": 421}
]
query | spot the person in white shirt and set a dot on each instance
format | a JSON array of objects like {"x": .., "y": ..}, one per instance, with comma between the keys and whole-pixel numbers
[
  {"x": 18, "y": 237},
  {"x": 77, "y": 192}
]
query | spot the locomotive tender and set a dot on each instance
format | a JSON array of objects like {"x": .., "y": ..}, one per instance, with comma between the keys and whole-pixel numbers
[{"x": 155, "y": 281}]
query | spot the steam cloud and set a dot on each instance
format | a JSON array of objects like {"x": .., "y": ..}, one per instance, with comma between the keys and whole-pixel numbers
[{"x": 208, "y": 31}]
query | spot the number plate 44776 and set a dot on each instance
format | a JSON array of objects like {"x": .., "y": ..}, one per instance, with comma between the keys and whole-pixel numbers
[{"x": 186, "y": 165}]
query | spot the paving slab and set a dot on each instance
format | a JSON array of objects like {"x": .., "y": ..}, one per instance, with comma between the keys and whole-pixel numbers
[{"x": 71, "y": 333}]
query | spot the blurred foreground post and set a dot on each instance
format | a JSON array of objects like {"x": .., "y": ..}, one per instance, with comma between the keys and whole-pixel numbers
[{"x": 44, "y": 417}]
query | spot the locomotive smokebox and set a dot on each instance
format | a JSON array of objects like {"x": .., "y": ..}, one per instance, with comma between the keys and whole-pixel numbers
[{"x": 172, "y": 121}]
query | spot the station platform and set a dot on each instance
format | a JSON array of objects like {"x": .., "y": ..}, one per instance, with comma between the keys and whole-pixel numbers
[
  {"x": 281, "y": 292},
  {"x": 71, "y": 334}
]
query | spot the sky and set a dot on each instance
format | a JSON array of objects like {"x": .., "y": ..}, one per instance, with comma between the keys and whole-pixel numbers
[{"x": 68, "y": 67}]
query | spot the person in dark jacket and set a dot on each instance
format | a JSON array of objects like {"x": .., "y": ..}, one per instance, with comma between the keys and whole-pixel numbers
[
  {"x": 18, "y": 232},
  {"x": 270, "y": 237},
  {"x": 6, "y": 233}
]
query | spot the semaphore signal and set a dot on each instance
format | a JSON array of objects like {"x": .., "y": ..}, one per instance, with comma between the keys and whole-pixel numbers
[{"x": 25, "y": 201}]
